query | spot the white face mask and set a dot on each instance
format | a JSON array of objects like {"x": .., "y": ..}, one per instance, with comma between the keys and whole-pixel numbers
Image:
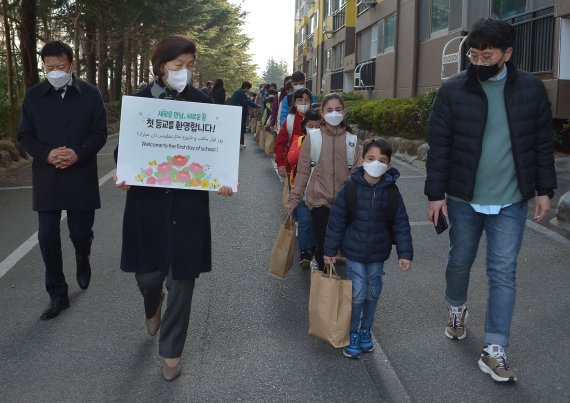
[
  {"x": 309, "y": 131},
  {"x": 375, "y": 168},
  {"x": 298, "y": 87},
  {"x": 58, "y": 78},
  {"x": 303, "y": 108},
  {"x": 334, "y": 118},
  {"x": 178, "y": 79}
]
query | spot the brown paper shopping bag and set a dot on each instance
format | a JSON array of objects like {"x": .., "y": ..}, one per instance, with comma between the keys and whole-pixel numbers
[
  {"x": 330, "y": 307},
  {"x": 269, "y": 144},
  {"x": 285, "y": 194},
  {"x": 261, "y": 135},
  {"x": 283, "y": 250}
]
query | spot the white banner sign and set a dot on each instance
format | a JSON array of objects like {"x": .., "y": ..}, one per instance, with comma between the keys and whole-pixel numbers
[{"x": 177, "y": 144}]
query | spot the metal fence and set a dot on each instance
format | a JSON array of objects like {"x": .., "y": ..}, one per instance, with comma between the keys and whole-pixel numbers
[
  {"x": 534, "y": 41},
  {"x": 339, "y": 18}
]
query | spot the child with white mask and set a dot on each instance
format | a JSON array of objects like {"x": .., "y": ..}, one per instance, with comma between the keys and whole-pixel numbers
[
  {"x": 367, "y": 217},
  {"x": 318, "y": 180}
]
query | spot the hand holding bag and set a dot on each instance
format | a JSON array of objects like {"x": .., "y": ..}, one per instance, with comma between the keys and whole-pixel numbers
[
  {"x": 330, "y": 307},
  {"x": 283, "y": 250}
]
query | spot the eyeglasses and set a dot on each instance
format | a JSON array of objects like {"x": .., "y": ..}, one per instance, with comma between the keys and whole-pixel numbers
[{"x": 486, "y": 60}]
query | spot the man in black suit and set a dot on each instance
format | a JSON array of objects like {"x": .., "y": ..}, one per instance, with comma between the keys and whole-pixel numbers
[{"x": 63, "y": 126}]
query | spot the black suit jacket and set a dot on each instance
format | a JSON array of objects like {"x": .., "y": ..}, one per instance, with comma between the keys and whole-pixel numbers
[{"x": 78, "y": 121}]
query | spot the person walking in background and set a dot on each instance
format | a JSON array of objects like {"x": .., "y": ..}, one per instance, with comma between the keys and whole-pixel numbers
[
  {"x": 283, "y": 92},
  {"x": 63, "y": 126},
  {"x": 207, "y": 88},
  {"x": 218, "y": 94},
  {"x": 156, "y": 246},
  {"x": 290, "y": 131},
  {"x": 491, "y": 150},
  {"x": 320, "y": 177},
  {"x": 298, "y": 82},
  {"x": 240, "y": 98},
  {"x": 367, "y": 216}
]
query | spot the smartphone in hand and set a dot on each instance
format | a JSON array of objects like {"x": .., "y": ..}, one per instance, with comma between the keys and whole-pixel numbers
[{"x": 441, "y": 223}]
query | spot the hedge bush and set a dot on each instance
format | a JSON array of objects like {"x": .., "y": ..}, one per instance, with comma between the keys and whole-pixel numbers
[{"x": 392, "y": 117}]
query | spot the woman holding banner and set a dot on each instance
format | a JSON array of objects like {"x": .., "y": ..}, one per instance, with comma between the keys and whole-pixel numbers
[{"x": 166, "y": 232}]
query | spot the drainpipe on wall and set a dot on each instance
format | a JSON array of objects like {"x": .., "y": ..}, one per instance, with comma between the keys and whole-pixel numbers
[
  {"x": 416, "y": 48},
  {"x": 396, "y": 41}
]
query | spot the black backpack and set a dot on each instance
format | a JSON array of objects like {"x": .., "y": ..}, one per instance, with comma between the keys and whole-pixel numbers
[{"x": 393, "y": 200}]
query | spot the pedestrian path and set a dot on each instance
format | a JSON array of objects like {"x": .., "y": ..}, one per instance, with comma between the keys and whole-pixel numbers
[{"x": 248, "y": 337}]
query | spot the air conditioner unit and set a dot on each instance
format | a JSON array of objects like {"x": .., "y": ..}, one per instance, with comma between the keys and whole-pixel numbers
[{"x": 370, "y": 3}]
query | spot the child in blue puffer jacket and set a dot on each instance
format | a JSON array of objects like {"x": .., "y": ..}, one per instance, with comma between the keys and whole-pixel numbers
[{"x": 365, "y": 236}]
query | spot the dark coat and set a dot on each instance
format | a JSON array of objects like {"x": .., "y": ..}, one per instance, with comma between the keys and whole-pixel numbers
[
  {"x": 163, "y": 227},
  {"x": 78, "y": 121},
  {"x": 367, "y": 240},
  {"x": 219, "y": 95},
  {"x": 457, "y": 124}
]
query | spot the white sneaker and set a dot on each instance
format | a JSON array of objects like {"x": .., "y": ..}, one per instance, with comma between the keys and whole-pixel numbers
[{"x": 314, "y": 266}]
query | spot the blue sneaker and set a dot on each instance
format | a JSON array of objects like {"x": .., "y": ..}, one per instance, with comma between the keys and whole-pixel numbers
[
  {"x": 365, "y": 341},
  {"x": 353, "y": 350}
]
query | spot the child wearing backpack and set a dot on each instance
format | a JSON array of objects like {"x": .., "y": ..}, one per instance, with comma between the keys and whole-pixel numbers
[
  {"x": 302, "y": 214},
  {"x": 367, "y": 217},
  {"x": 289, "y": 133},
  {"x": 326, "y": 159},
  {"x": 291, "y": 126}
]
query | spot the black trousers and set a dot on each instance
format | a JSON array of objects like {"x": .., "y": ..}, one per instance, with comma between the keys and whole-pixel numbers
[
  {"x": 80, "y": 224},
  {"x": 320, "y": 216},
  {"x": 243, "y": 126},
  {"x": 176, "y": 318}
]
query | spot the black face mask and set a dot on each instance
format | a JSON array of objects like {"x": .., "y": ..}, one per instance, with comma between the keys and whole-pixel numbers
[{"x": 486, "y": 72}]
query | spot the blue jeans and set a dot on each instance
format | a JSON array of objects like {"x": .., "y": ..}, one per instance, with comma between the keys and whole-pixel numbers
[
  {"x": 366, "y": 288},
  {"x": 504, "y": 238},
  {"x": 306, "y": 233}
]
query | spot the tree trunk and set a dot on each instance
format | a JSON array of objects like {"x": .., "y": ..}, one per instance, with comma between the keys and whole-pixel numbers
[
  {"x": 28, "y": 43},
  {"x": 103, "y": 74},
  {"x": 10, "y": 78},
  {"x": 135, "y": 58},
  {"x": 128, "y": 65},
  {"x": 90, "y": 54},
  {"x": 117, "y": 66},
  {"x": 145, "y": 60}
]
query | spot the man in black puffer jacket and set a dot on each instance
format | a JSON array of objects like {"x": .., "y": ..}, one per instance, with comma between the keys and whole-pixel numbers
[{"x": 491, "y": 150}]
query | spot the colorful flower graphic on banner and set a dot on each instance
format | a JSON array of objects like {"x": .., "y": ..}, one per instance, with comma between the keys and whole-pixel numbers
[{"x": 177, "y": 170}]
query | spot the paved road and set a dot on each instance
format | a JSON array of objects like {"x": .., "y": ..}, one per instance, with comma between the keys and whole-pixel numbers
[{"x": 248, "y": 332}]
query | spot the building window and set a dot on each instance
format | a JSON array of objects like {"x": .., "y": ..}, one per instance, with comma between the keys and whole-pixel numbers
[
  {"x": 389, "y": 32},
  {"x": 337, "y": 61},
  {"x": 439, "y": 15},
  {"x": 508, "y": 8}
]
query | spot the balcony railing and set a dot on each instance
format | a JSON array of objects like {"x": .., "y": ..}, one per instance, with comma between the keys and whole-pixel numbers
[
  {"x": 300, "y": 49},
  {"x": 337, "y": 80},
  {"x": 365, "y": 75},
  {"x": 310, "y": 43},
  {"x": 534, "y": 40},
  {"x": 362, "y": 6},
  {"x": 339, "y": 17}
]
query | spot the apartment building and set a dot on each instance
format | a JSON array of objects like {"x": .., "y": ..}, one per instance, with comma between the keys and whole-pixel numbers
[{"x": 402, "y": 48}]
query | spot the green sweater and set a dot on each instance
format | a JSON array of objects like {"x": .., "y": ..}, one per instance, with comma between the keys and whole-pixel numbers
[{"x": 496, "y": 182}]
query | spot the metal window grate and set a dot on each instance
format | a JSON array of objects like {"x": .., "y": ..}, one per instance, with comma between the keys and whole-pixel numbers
[
  {"x": 337, "y": 80},
  {"x": 534, "y": 41},
  {"x": 365, "y": 74}
]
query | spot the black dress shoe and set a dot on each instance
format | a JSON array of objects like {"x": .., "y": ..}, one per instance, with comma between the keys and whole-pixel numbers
[
  {"x": 56, "y": 305},
  {"x": 83, "y": 271}
]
